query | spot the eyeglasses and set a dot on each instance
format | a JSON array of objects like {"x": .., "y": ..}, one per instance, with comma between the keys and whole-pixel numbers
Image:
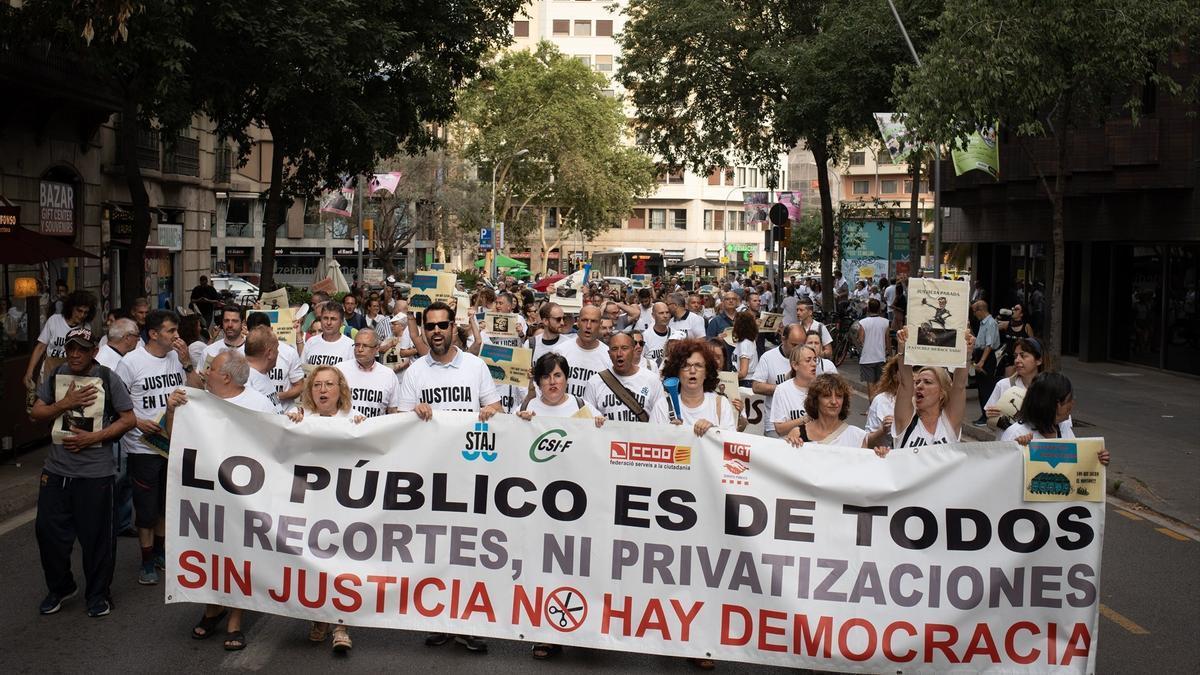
[
  {"x": 639, "y": 343},
  {"x": 692, "y": 366},
  {"x": 362, "y": 345},
  {"x": 439, "y": 325}
]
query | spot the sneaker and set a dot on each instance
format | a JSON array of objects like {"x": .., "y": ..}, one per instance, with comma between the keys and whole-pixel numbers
[
  {"x": 160, "y": 561},
  {"x": 99, "y": 608},
  {"x": 148, "y": 575},
  {"x": 472, "y": 643},
  {"x": 54, "y": 602},
  {"x": 436, "y": 639},
  {"x": 981, "y": 422}
]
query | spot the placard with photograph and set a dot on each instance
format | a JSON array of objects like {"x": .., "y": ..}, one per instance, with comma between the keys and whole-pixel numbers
[
  {"x": 769, "y": 322},
  {"x": 937, "y": 323},
  {"x": 89, "y": 418},
  {"x": 500, "y": 325}
]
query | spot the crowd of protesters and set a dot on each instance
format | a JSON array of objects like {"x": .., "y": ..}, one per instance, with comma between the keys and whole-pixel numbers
[{"x": 604, "y": 348}]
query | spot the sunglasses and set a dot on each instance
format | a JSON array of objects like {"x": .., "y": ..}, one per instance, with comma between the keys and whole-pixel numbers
[
  {"x": 439, "y": 325},
  {"x": 638, "y": 343}
]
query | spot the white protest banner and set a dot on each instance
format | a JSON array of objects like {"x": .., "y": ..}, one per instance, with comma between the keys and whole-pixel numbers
[
  {"x": 937, "y": 323},
  {"x": 753, "y": 412},
  {"x": 635, "y": 537}
]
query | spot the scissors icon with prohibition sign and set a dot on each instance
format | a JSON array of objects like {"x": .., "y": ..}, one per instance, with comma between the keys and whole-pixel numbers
[{"x": 568, "y": 618}]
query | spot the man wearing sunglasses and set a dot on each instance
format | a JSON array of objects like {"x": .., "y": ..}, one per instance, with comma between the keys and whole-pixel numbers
[{"x": 553, "y": 335}]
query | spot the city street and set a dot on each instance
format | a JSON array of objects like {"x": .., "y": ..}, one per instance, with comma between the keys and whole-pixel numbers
[{"x": 1150, "y": 608}]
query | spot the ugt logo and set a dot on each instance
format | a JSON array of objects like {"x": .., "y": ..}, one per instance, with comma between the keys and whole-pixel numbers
[{"x": 481, "y": 443}]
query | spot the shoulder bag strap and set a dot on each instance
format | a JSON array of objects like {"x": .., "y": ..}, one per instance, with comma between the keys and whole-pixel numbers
[
  {"x": 916, "y": 419},
  {"x": 624, "y": 395}
]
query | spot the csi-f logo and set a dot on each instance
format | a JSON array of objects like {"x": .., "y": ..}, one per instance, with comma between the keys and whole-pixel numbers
[
  {"x": 481, "y": 443},
  {"x": 549, "y": 445}
]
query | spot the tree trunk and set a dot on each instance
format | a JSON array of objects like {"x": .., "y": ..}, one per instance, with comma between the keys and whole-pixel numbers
[
  {"x": 275, "y": 212},
  {"x": 914, "y": 223},
  {"x": 821, "y": 157},
  {"x": 134, "y": 273},
  {"x": 1053, "y": 336}
]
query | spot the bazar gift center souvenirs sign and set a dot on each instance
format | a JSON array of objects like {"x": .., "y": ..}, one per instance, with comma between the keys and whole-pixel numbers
[{"x": 635, "y": 537}]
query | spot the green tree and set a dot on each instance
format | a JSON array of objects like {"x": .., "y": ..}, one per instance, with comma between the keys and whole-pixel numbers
[
  {"x": 751, "y": 79},
  {"x": 149, "y": 74},
  {"x": 340, "y": 84},
  {"x": 555, "y": 108},
  {"x": 1042, "y": 70}
]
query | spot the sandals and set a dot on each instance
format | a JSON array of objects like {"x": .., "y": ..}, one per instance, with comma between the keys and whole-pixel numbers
[
  {"x": 235, "y": 641},
  {"x": 318, "y": 632},
  {"x": 207, "y": 625},
  {"x": 341, "y": 639},
  {"x": 544, "y": 650}
]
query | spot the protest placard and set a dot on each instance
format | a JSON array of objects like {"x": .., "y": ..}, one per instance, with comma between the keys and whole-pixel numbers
[
  {"x": 282, "y": 323},
  {"x": 275, "y": 299},
  {"x": 937, "y": 323},
  {"x": 431, "y": 287},
  {"x": 88, "y": 418},
  {"x": 508, "y": 365},
  {"x": 500, "y": 325},
  {"x": 769, "y": 322},
  {"x": 1064, "y": 470}
]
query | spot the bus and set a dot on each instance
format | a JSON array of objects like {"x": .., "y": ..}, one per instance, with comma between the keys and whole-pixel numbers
[{"x": 626, "y": 262}]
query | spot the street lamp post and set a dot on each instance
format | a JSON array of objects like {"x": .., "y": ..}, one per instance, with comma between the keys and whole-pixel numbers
[
  {"x": 725, "y": 225},
  {"x": 495, "y": 238}
]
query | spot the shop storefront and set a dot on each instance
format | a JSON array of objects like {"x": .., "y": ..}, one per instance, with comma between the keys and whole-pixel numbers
[
  {"x": 1154, "y": 306},
  {"x": 238, "y": 260},
  {"x": 297, "y": 266}
]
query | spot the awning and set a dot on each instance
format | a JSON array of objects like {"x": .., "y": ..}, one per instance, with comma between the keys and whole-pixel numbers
[{"x": 23, "y": 246}]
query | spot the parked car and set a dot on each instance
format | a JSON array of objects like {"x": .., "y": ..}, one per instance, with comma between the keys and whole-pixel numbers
[{"x": 242, "y": 291}]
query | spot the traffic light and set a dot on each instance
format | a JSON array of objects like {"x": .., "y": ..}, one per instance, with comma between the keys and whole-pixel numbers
[{"x": 369, "y": 231}]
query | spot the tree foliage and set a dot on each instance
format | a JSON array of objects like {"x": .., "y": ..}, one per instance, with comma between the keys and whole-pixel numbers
[
  {"x": 555, "y": 108},
  {"x": 1043, "y": 69},
  {"x": 747, "y": 80}
]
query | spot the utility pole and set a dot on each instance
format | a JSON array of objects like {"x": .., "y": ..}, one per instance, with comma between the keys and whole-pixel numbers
[{"x": 359, "y": 244}]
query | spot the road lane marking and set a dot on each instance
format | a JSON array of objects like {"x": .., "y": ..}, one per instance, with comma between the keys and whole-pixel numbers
[
  {"x": 1127, "y": 514},
  {"x": 1174, "y": 526},
  {"x": 17, "y": 521},
  {"x": 1172, "y": 534},
  {"x": 1122, "y": 620}
]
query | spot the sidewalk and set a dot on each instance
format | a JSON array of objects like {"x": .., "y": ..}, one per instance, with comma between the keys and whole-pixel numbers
[
  {"x": 1150, "y": 421},
  {"x": 19, "y": 481}
]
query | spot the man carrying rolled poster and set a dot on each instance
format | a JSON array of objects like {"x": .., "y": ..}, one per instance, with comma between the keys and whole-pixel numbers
[{"x": 75, "y": 498}]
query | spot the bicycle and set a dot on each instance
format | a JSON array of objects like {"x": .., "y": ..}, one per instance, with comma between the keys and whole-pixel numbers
[{"x": 844, "y": 339}]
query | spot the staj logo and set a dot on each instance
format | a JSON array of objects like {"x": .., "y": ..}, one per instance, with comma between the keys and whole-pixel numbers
[
  {"x": 480, "y": 444},
  {"x": 632, "y": 452},
  {"x": 736, "y": 464},
  {"x": 549, "y": 445}
]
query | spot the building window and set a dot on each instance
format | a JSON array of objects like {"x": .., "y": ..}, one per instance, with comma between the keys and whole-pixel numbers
[
  {"x": 561, "y": 27},
  {"x": 858, "y": 158},
  {"x": 888, "y": 187},
  {"x": 753, "y": 178},
  {"x": 714, "y": 177},
  {"x": 637, "y": 219},
  {"x": 679, "y": 219},
  {"x": 729, "y": 176},
  {"x": 741, "y": 175},
  {"x": 604, "y": 28},
  {"x": 862, "y": 187},
  {"x": 520, "y": 29},
  {"x": 585, "y": 59},
  {"x": 604, "y": 63},
  {"x": 583, "y": 29},
  {"x": 670, "y": 177},
  {"x": 708, "y": 219},
  {"x": 658, "y": 219}
]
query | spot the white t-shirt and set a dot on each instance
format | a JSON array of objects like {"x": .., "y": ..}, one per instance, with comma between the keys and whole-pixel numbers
[
  {"x": 253, "y": 400},
  {"x": 584, "y": 363},
  {"x": 850, "y": 437},
  {"x": 788, "y": 309},
  {"x": 874, "y": 346},
  {"x": 691, "y": 322},
  {"x": 541, "y": 347},
  {"x": 745, "y": 349},
  {"x": 826, "y": 338},
  {"x": 462, "y": 384},
  {"x": 373, "y": 391},
  {"x": 211, "y": 352},
  {"x": 826, "y": 366},
  {"x": 54, "y": 336},
  {"x": 646, "y": 388},
  {"x": 150, "y": 380},
  {"x": 288, "y": 369},
  {"x": 882, "y": 405},
  {"x": 656, "y": 345},
  {"x": 568, "y": 407},
  {"x": 788, "y": 402},
  {"x": 725, "y": 419},
  {"x": 263, "y": 385},
  {"x": 920, "y": 436},
  {"x": 108, "y": 357},
  {"x": 1007, "y": 383},
  {"x": 773, "y": 368},
  {"x": 319, "y": 352},
  {"x": 645, "y": 320},
  {"x": 196, "y": 352},
  {"x": 1019, "y": 429}
]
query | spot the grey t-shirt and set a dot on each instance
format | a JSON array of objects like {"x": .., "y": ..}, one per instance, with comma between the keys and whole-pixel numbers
[{"x": 94, "y": 462}]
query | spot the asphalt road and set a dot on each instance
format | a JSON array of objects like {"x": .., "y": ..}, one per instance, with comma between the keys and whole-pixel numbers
[{"x": 1149, "y": 590}]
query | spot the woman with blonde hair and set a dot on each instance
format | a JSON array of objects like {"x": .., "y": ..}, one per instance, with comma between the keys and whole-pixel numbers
[
  {"x": 788, "y": 404},
  {"x": 326, "y": 394},
  {"x": 881, "y": 412},
  {"x": 827, "y": 405},
  {"x": 929, "y": 404}
]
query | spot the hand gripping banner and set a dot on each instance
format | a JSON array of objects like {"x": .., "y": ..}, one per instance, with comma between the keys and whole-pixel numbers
[{"x": 635, "y": 537}]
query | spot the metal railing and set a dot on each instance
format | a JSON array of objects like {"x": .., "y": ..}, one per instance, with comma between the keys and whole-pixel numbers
[{"x": 184, "y": 159}]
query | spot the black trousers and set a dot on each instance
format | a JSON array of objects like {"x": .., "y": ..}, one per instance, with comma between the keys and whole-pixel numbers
[
  {"x": 985, "y": 380},
  {"x": 70, "y": 509}
]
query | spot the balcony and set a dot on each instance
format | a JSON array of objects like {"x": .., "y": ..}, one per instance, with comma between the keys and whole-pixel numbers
[
  {"x": 147, "y": 149},
  {"x": 223, "y": 171},
  {"x": 183, "y": 159},
  {"x": 239, "y": 229}
]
